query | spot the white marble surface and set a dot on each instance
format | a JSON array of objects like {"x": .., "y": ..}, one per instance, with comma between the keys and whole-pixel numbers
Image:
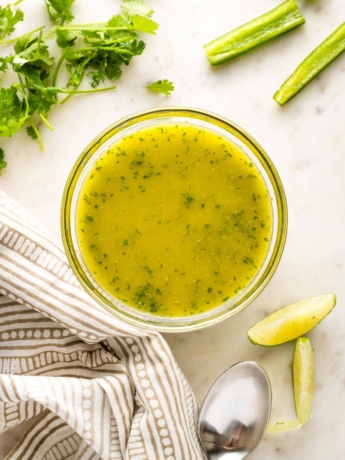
[{"x": 305, "y": 140}]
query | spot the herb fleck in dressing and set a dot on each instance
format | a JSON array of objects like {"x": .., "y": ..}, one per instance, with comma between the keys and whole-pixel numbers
[{"x": 174, "y": 220}]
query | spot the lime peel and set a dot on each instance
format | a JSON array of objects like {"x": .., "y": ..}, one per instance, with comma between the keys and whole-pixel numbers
[{"x": 291, "y": 322}]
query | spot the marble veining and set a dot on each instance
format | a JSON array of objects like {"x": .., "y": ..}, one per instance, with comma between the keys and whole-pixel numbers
[{"x": 306, "y": 142}]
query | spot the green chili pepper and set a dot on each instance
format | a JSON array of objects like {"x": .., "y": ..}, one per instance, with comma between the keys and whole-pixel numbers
[
  {"x": 312, "y": 65},
  {"x": 272, "y": 24}
]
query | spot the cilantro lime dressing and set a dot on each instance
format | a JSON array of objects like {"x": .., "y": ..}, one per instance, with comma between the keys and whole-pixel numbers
[{"x": 174, "y": 220}]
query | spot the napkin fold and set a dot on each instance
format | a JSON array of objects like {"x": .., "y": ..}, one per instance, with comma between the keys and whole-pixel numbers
[{"x": 97, "y": 388}]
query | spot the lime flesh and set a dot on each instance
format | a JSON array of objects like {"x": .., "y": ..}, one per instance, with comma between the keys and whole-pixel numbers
[
  {"x": 291, "y": 322},
  {"x": 303, "y": 378},
  {"x": 303, "y": 387}
]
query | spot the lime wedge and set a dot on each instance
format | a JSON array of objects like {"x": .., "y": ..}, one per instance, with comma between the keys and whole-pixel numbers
[
  {"x": 291, "y": 322},
  {"x": 303, "y": 378},
  {"x": 303, "y": 387}
]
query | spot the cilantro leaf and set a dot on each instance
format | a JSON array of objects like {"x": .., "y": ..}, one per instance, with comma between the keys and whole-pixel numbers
[
  {"x": 31, "y": 132},
  {"x": 59, "y": 11},
  {"x": 33, "y": 63},
  {"x": 135, "y": 7},
  {"x": 34, "y": 67},
  {"x": 162, "y": 86},
  {"x": 8, "y": 20},
  {"x": 13, "y": 112},
  {"x": 3, "y": 163},
  {"x": 32, "y": 51},
  {"x": 65, "y": 38},
  {"x": 100, "y": 50},
  {"x": 40, "y": 101},
  {"x": 3, "y": 64},
  {"x": 139, "y": 15},
  {"x": 143, "y": 24}
]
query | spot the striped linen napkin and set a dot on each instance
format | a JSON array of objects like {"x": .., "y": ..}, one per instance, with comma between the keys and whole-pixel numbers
[{"x": 97, "y": 388}]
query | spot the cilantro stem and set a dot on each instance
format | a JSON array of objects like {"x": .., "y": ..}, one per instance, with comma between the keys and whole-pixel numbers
[
  {"x": 58, "y": 65},
  {"x": 70, "y": 91},
  {"x": 46, "y": 122},
  {"x": 38, "y": 135},
  {"x": 100, "y": 27},
  {"x": 106, "y": 48},
  {"x": 12, "y": 40},
  {"x": 20, "y": 80},
  {"x": 22, "y": 92},
  {"x": 76, "y": 86},
  {"x": 65, "y": 99},
  {"x": 81, "y": 91}
]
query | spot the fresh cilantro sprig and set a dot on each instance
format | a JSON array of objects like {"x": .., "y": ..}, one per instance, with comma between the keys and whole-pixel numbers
[
  {"x": 161, "y": 86},
  {"x": 59, "y": 11},
  {"x": 139, "y": 15},
  {"x": 8, "y": 20},
  {"x": 99, "y": 51},
  {"x": 132, "y": 8},
  {"x": 90, "y": 52}
]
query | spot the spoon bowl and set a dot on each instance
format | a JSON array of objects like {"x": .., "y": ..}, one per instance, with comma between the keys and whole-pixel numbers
[{"x": 235, "y": 413}]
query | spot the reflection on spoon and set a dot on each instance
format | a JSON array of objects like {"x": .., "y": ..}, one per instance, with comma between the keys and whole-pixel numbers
[{"x": 235, "y": 412}]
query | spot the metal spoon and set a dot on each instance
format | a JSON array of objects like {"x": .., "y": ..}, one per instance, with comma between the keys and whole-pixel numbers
[{"x": 235, "y": 412}]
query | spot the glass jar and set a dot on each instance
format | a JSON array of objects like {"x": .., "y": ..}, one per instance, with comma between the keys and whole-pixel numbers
[{"x": 182, "y": 117}]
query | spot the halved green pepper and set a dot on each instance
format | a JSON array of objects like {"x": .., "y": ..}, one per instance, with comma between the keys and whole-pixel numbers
[
  {"x": 312, "y": 65},
  {"x": 272, "y": 24}
]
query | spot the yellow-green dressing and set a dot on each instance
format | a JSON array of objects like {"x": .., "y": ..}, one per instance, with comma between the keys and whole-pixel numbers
[{"x": 174, "y": 220}]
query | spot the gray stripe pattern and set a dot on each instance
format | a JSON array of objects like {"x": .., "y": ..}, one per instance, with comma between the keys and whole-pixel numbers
[{"x": 97, "y": 387}]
